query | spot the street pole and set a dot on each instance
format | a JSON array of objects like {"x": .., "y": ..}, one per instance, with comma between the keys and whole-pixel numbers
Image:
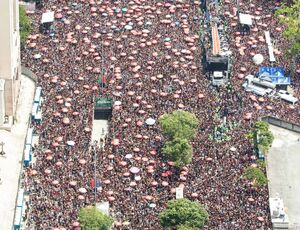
[{"x": 95, "y": 170}]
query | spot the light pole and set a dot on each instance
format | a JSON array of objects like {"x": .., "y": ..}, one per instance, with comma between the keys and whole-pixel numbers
[{"x": 95, "y": 169}]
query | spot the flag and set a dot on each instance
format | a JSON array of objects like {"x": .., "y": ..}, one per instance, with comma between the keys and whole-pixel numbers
[
  {"x": 92, "y": 183},
  {"x": 98, "y": 184}
]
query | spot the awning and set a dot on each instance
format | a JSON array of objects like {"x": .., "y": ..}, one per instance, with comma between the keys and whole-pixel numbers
[
  {"x": 215, "y": 40},
  {"x": 276, "y": 74},
  {"x": 48, "y": 17}
]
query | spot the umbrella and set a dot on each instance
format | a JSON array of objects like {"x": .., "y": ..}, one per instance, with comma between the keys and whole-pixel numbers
[
  {"x": 150, "y": 121},
  {"x": 128, "y": 27},
  {"x": 111, "y": 198},
  {"x": 134, "y": 170},
  {"x": 137, "y": 178},
  {"x": 260, "y": 218},
  {"x": 47, "y": 171},
  {"x": 82, "y": 190},
  {"x": 72, "y": 183},
  {"x": 58, "y": 16},
  {"x": 123, "y": 163},
  {"x": 115, "y": 142},
  {"x": 258, "y": 59},
  {"x": 37, "y": 56},
  {"x": 250, "y": 199},
  {"x": 76, "y": 224},
  {"x": 194, "y": 194},
  {"x": 126, "y": 174},
  {"x": 117, "y": 103},
  {"x": 111, "y": 156},
  {"x": 82, "y": 161},
  {"x": 132, "y": 184},
  {"x": 55, "y": 182},
  {"x": 71, "y": 143},
  {"x": 87, "y": 129},
  {"x": 33, "y": 172},
  {"x": 165, "y": 183},
  {"x": 59, "y": 163},
  {"x": 152, "y": 205},
  {"x": 106, "y": 181},
  {"x": 80, "y": 197},
  {"x": 49, "y": 158},
  {"x": 66, "y": 120},
  {"x": 232, "y": 149},
  {"x": 109, "y": 168}
]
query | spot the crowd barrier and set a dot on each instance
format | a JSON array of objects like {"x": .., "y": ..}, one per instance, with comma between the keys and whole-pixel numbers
[{"x": 35, "y": 116}]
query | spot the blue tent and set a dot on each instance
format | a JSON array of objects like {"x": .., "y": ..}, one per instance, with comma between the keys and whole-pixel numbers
[{"x": 274, "y": 74}]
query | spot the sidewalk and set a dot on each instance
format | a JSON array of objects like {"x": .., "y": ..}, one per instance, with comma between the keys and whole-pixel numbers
[{"x": 10, "y": 164}]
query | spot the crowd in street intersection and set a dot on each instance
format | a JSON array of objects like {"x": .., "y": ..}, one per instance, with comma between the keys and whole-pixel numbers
[{"x": 149, "y": 54}]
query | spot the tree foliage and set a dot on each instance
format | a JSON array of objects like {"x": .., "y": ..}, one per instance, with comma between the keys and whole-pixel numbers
[
  {"x": 261, "y": 135},
  {"x": 256, "y": 174},
  {"x": 290, "y": 17},
  {"x": 264, "y": 136},
  {"x": 92, "y": 219},
  {"x": 182, "y": 227},
  {"x": 179, "y": 151},
  {"x": 181, "y": 124},
  {"x": 24, "y": 24},
  {"x": 184, "y": 214}
]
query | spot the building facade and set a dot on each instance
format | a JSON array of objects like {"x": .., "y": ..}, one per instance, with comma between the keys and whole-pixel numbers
[{"x": 10, "y": 63}]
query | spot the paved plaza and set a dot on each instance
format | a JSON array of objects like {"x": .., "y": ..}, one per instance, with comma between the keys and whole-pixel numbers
[
  {"x": 10, "y": 164},
  {"x": 284, "y": 172}
]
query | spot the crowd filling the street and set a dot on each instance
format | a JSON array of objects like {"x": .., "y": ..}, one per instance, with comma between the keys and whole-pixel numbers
[{"x": 146, "y": 55}]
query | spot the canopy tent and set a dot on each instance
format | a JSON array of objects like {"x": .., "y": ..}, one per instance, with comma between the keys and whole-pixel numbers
[
  {"x": 245, "y": 19},
  {"x": 274, "y": 74},
  {"x": 48, "y": 17},
  {"x": 103, "y": 102}
]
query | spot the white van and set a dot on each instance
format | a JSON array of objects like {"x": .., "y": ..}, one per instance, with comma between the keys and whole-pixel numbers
[{"x": 284, "y": 95}]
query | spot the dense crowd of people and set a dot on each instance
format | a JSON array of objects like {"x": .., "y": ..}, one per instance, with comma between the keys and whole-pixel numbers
[{"x": 149, "y": 54}]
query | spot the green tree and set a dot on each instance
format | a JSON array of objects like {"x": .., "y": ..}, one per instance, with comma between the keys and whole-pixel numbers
[
  {"x": 183, "y": 213},
  {"x": 179, "y": 151},
  {"x": 290, "y": 17},
  {"x": 261, "y": 164},
  {"x": 92, "y": 219},
  {"x": 180, "y": 124},
  {"x": 261, "y": 136},
  {"x": 24, "y": 24},
  {"x": 182, "y": 227},
  {"x": 256, "y": 174}
]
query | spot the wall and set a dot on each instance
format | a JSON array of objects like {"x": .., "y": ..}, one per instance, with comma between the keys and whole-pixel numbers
[
  {"x": 10, "y": 52},
  {"x": 283, "y": 124}
]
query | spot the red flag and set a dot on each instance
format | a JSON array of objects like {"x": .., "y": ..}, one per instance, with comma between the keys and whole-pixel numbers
[{"x": 93, "y": 183}]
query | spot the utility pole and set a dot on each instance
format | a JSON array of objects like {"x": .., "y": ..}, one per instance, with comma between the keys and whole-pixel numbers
[{"x": 95, "y": 169}]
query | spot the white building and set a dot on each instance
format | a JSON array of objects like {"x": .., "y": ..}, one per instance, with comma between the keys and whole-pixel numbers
[{"x": 10, "y": 65}]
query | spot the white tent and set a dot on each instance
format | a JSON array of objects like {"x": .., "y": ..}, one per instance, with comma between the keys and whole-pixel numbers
[
  {"x": 245, "y": 19},
  {"x": 48, "y": 17}
]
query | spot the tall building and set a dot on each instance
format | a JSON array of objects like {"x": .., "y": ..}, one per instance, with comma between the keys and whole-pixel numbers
[{"x": 10, "y": 67}]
